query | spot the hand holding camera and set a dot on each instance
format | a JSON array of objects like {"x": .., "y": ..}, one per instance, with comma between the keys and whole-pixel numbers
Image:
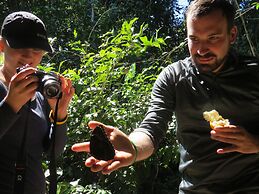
[
  {"x": 21, "y": 89},
  {"x": 28, "y": 80},
  {"x": 23, "y": 85},
  {"x": 49, "y": 83}
]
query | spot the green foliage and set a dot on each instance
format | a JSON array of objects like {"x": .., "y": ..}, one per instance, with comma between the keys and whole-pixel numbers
[
  {"x": 256, "y": 4},
  {"x": 113, "y": 62},
  {"x": 113, "y": 85},
  {"x": 247, "y": 41},
  {"x": 108, "y": 79},
  {"x": 75, "y": 188}
]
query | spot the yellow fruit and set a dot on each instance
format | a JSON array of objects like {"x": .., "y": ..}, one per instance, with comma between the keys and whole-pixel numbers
[{"x": 215, "y": 119}]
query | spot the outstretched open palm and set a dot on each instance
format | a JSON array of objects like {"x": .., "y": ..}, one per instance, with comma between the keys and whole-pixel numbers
[{"x": 124, "y": 151}]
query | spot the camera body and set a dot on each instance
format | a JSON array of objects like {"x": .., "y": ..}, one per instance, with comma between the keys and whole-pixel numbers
[{"x": 49, "y": 83}]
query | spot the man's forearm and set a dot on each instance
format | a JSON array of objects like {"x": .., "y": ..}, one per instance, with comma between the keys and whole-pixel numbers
[{"x": 144, "y": 145}]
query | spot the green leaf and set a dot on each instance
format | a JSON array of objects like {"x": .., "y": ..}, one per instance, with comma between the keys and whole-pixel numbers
[
  {"x": 145, "y": 41},
  {"x": 131, "y": 73},
  {"x": 256, "y": 4},
  {"x": 75, "y": 33}
]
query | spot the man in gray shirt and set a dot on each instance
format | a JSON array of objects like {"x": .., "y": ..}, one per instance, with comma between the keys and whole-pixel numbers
[{"x": 220, "y": 160}]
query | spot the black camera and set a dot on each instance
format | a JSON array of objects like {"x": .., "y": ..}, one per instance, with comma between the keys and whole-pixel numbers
[{"x": 49, "y": 83}]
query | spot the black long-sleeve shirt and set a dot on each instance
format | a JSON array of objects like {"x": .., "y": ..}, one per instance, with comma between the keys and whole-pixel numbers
[
  {"x": 12, "y": 126},
  {"x": 234, "y": 93}
]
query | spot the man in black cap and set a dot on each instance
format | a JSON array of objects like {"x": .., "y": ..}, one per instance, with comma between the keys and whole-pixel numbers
[
  {"x": 25, "y": 30},
  {"x": 26, "y": 115}
]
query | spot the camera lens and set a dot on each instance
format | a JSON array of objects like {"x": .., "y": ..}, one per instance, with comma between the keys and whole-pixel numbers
[{"x": 51, "y": 89}]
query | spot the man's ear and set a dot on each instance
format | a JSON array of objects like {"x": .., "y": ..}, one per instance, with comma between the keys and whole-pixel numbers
[{"x": 233, "y": 34}]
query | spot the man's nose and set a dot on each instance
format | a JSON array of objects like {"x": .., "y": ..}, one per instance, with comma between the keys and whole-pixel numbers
[{"x": 203, "y": 48}]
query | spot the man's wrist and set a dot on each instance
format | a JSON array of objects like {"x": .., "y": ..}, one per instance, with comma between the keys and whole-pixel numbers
[{"x": 136, "y": 151}]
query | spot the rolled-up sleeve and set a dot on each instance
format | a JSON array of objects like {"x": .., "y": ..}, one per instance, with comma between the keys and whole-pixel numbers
[{"x": 162, "y": 105}]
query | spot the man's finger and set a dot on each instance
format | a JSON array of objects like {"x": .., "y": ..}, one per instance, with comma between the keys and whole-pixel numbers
[
  {"x": 112, "y": 167},
  {"x": 94, "y": 124},
  {"x": 99, "y": 165},
  {"x": 81, "y": 147},
  {"x": 90, "y": 161},
  {"x": 227, "y": 150}
]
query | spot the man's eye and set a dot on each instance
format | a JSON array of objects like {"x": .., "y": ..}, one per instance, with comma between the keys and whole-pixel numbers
[
  {"x": 193, "y": 39},
  {"x": 213, "y": 38}
]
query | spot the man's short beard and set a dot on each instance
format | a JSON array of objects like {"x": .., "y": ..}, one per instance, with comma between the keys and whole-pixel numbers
[{"x": 208, "y": 67}]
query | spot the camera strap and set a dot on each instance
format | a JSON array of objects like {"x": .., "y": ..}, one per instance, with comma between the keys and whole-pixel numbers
[
  {"x": 52, "y": 165},
  {"x": 20, "y": 164}
]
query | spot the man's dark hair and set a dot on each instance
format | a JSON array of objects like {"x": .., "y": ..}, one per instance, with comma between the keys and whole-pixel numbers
[{"x": 199, "y": 8}]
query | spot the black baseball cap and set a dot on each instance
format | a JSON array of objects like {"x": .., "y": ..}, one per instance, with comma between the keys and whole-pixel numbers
[{"x": 25, "y": 30}]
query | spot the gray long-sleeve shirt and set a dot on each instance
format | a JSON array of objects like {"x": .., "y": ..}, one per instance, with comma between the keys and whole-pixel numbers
[
  {"x": 12, "y": 126},
  {"x": 234, "y": 92}
]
